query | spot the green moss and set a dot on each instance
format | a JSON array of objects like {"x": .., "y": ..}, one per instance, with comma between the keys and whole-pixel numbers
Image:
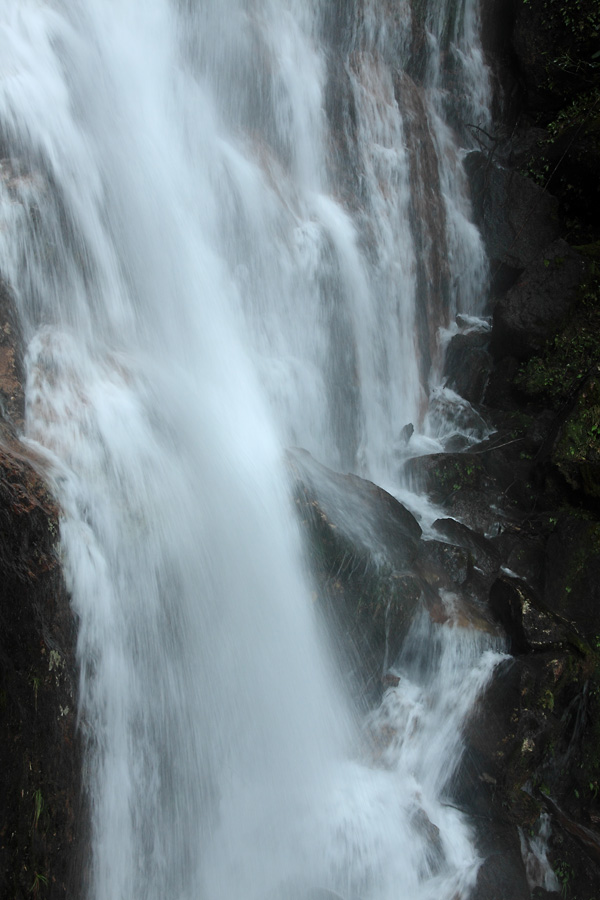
[
  {"x": 454, "y": 474},
  {"x": 577, "y": 452},
  {"x": 581, "y": 434}
]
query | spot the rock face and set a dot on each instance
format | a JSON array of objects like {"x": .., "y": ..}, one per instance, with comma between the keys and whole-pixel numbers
[
  {"x": 468, "y": 364},
  {"x": 373, "y": 570},
  {"x": 533, "y": 746},
  {"x": 534, "y": 308},
  {"x": 39, "y": 746},
  {"x": 363, "y": 547},
  {"x": 41, "y": 832},
  {"x": 518, "y": 219}
]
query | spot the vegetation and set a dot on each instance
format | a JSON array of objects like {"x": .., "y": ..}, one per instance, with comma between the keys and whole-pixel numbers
[{"x": 565, "y": 57}]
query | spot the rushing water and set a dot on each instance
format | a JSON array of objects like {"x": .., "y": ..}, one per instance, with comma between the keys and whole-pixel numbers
[{"x": 231, "y": 226}]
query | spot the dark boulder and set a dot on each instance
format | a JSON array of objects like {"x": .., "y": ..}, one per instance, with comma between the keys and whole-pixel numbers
[
  {"x": 40, "y": 757},
  {"x": 43, "y": 831},
  {"x": 518, "y": 219},
  {"x": 362, "y": 513},
  {"x": 442, "y": 474},
  {"x": 485, "y": 556},
  {"x": 524, "y": 555},
  {"x": 444, "y": 565},
  {"x": 535, "y": 307},
  {"x": 573, "y": 573},
  {"x": 363, "y": 545},
  {"x": 528, "y": 624},
  {"x": 538, "y": 431},
  {"x": 576, "y": 450},
  {"x": 468, "y": 364}
]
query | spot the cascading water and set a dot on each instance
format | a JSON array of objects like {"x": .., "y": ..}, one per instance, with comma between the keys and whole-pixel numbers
[{"x": 231, "y": 226}]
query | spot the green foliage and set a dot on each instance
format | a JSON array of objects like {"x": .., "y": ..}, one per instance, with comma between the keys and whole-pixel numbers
[
  {"x": 38, "y": 804},
  {"x": 577, "y": 17},
  {"x": 39, "y": 881},
  {"x": 583, "y": 111},
  {"x": 564, "y": 872},
  {"x": 566, "y": 35},
  {"x": 547, "y": 701}
]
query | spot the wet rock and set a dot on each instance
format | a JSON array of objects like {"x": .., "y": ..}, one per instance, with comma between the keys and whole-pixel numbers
[
  {"x": 468, "y": 365},
  {"x": 406, "y": 433},
  {"x": 442, "y": 474},
  {"x": 485, "y": 556},
  {"x": 359, "y": 512},
  {"x": 479, "y": 510},
  {"x": 448, "y": 410},
  {"x": 12, "y": 402},
  {"x": 524, "y": 556},
  {"x": 362, "y": 545},
  {"x": 443, "y": 564},
  {"x": 456, "y": 443},
  {"x": 518, "y": 218},
  {"x": 40, "y": 757},
  {"x": 43, "y": 831},
  {"x": 528, "y": 624},
  {"x": 502, "y": 873},
  {"x": 534, "y": 308}
]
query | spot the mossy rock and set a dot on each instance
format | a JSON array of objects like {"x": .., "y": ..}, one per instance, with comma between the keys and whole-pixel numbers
[
  {"x": 530, "y": 626},
  {"x": 442, "y": 474}
]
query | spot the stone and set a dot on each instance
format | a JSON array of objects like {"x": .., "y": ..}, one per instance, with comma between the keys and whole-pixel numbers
[
  {"x": 485, "y": 556},
  {"x": 468, "y": 364},
  {"x": 534, "y": 308},
  {"x": 40, "y": 752},
  {"x": 444, "y": 565},
  {"x": 363, "y": 545},
  {"x": 527, "y": 623},
  {"x": 360, "y": 512},
  {"x": 518, "y": 218},
  {"x": 442, "y": 474},
  {"x": 572, "y": 573},
  {"x": 538, "y": 431},
  {"x": 576, "y": 450}
]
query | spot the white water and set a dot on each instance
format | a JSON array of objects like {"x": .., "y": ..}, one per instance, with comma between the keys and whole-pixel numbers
[{"x": 198, "y": 288}]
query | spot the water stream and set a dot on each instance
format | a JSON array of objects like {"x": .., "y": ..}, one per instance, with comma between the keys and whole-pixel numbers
[{"x": 232, "y": 226}]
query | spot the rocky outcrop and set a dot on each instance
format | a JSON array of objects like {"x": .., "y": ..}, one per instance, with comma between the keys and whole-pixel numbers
[
  {"x": 373, "y": 570},
  {"x": 532, "y": 764},
  {"x": 39, "y": 744},
  {"x": 468, "y": 364},
  {"x": 41, "y": 832},
  {"x": 518, "y": 219},
  {"x": 363, "y": 544}
]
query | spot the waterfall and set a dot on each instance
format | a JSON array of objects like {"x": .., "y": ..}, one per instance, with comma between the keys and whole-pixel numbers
[{"x": 232, "y": 226}]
